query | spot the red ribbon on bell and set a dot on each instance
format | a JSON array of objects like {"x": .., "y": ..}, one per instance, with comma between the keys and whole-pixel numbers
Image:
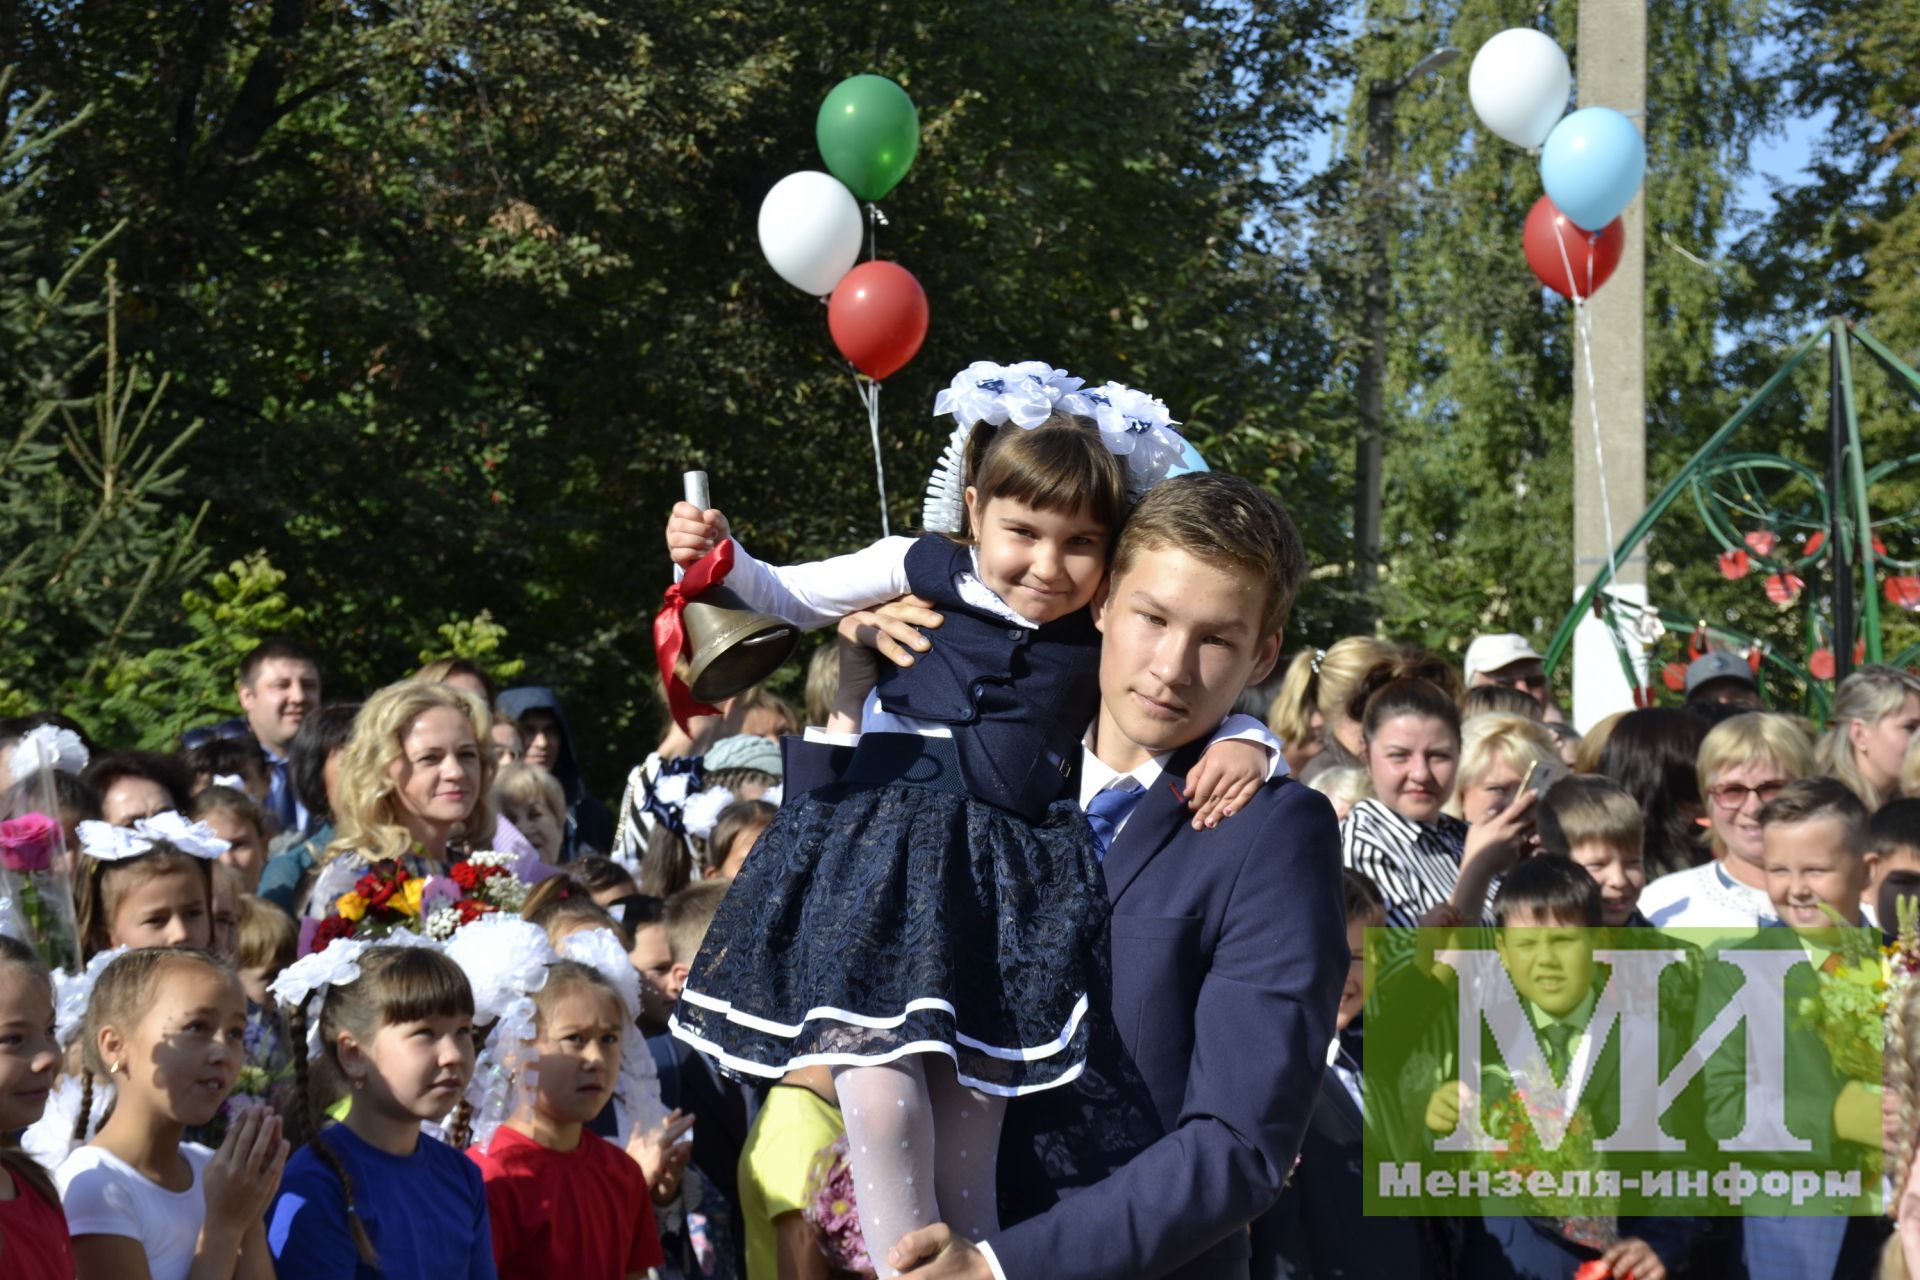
[{"x": 670, "y": 632}]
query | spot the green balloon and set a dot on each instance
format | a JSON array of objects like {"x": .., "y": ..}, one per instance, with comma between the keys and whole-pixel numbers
[{"x": 869, "y": 133}]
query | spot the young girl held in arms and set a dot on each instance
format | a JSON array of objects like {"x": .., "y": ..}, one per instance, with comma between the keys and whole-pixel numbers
[
  {"x": 165, "y": 1026},
  {"x": 33, "y": 1231},
  {"x": 372, "y": 1195},
  {"x": 927, "y": 926}
]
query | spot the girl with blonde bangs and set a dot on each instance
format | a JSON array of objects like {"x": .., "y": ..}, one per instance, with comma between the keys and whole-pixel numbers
[
  {"x": 1876, "y": 713},
  {"x": 414, "y": 783}
]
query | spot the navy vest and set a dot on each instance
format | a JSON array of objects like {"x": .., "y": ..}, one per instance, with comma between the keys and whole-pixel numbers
[{"x": 1018, "y": 699}]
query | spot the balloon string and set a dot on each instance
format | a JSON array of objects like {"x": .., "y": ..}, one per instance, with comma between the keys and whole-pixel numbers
[
  {"x": 875, "y": 220},
  {"x": 1583, "y": 331},
  {"x": 869, "y": 393}
]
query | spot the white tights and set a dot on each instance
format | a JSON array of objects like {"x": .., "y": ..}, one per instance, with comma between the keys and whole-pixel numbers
[{"x": 922, "y": 1147}]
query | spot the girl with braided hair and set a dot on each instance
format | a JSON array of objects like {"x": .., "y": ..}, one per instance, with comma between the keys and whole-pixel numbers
[
  {"x": 167, "y": 1026},
  {"x": 372, "y": 1195}
]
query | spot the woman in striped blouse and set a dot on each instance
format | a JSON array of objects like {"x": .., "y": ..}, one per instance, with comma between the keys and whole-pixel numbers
[{"x": 1434, "y": 869}]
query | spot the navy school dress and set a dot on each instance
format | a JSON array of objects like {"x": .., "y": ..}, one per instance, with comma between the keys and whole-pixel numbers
[{"x": 945, "y": 895}]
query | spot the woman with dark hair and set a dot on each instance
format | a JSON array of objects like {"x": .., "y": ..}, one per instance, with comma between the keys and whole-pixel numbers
[
  {"x": 1655, "y": 754},
  {"x": 137, "y": 784},
  {"x": 313, "y": 765},
  {"x": 1432, "y": 867}
]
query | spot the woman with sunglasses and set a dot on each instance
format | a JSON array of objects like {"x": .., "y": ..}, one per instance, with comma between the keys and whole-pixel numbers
[{"x": 1744, "y": 763}]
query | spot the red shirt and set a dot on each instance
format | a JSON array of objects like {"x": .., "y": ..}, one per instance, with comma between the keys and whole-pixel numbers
[
  {"x": 33, "y": 1236},
  {"x": 583, "y": 1214}
]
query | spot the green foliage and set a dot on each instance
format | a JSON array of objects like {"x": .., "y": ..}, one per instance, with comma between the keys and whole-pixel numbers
[
  {"x": 1479, "y": 469},
  {"x": 460, "y": 290},
  {"x": 90, "y": 528},
  {"x": 478, "y": 639},
  {"x": 148, "y": 699}
]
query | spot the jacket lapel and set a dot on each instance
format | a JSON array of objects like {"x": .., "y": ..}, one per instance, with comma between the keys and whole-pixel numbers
[{"x": 1160, "y": 813}]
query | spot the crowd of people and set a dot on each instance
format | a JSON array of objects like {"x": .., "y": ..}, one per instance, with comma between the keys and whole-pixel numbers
[{"x": 772, "y": 1014}]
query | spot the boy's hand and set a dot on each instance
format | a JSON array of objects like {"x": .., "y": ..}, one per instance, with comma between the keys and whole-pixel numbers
[
  {"x": 691, "y": 532},
  {"x": 1224, "y": 780},
  {"x": 1634, "y": 1259}
]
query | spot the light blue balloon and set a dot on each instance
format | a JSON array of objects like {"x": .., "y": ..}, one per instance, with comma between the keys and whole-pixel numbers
[
  {"x": 1190, "y": 462},
  {"x": 1591, "y": 166}
]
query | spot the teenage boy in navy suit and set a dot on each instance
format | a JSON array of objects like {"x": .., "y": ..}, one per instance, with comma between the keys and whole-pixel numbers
[{"x": 1228, "y": 943}]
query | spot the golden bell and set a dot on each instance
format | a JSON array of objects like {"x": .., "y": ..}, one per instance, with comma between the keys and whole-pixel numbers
[{"x": 729, "y": 647}]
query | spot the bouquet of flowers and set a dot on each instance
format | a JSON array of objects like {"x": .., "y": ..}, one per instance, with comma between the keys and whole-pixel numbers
[
  {"x": 484, "y": 883},
  {"x": 383, "y": 900},
  {"x": 1849, "y": 1011},
  {"x": 833, "y": 1213},
  {"x": 36, "y": 903}
]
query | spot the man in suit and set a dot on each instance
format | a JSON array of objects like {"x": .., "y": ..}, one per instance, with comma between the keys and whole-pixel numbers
[{"x": 1228, "y": 948}]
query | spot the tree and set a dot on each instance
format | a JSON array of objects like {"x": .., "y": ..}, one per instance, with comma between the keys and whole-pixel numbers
[
  {"x": 1479, "y": 469},
  {"x": 460, "y": 290},
  {"x": 89, "y": 532}
]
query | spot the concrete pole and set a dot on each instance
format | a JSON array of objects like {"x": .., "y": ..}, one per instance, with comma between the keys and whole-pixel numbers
[{"x": 1612, "y": 70}]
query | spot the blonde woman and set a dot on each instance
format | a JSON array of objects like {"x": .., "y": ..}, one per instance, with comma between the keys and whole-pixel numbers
[
  {"x": 413, "y": 786},
  {"x": 1294, "y": 715},
  {"x": 1876, "y": 712},
  {"x": 1332, "y": 676},
  {"x": 1744, "y": 762},
  {"x": 1497, "y": 751}
]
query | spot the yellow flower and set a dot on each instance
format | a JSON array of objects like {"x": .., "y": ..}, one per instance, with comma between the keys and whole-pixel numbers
[
  {"x": 352, "y": 906},
  {"x": 409, "y": 899}
]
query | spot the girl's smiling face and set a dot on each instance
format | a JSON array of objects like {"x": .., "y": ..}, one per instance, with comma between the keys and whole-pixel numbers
[
  {"x": 29, "y": 1055},
  {"x": 1044, "y": 564}
]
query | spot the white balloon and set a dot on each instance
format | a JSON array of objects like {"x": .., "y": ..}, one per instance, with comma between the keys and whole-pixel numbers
[
  {"x": 1519, "y": 85},
  {"x": 810, "y": 230}
]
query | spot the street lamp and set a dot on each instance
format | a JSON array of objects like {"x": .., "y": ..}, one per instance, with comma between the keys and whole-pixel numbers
[{"x": 1381, "y": 95}]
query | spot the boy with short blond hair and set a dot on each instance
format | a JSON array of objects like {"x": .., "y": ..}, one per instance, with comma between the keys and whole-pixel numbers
[
  {"x": 1593, "y": 821},
  {"x": 1815, "y": 833}
]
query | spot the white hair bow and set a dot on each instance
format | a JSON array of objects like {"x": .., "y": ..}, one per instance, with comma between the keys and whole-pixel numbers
[
  {"x": 107, "y": 843},
  {"x": 48, "y": 746}
]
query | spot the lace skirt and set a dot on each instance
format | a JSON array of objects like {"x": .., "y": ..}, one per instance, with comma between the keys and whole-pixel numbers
[{"x": 876, "y": 921}]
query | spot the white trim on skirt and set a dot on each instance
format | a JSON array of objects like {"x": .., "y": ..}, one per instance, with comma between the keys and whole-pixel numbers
[
  {"x": 827, "y": 1013},
  {"x": 765, "y": 1071}
]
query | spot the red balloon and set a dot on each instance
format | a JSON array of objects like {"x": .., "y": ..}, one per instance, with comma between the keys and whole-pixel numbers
[
  {"x": 1592, "y": 256},
  {"x": 878, "y": 317}
]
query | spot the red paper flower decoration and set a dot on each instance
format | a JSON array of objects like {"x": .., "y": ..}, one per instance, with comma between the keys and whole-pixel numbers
[
  {"x": 1817, "y": 541},
  {"x": 1783, "y": 588},
  {"x": 1734, "y": 564},
  {"x": 1762, "y": 541},
  {"x": 1675, "y": 676},
  {"x": 1904, "y": 591},
  {"x": 1820, "y": 664}
]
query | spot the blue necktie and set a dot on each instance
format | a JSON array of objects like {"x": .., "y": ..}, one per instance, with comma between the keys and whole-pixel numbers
[
  {"x": 280, "y": 797},
  {"x": 1109, "y": 808}
]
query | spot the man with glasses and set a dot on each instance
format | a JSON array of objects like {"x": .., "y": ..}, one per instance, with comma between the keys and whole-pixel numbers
[{"x": 1509, "y": 662}]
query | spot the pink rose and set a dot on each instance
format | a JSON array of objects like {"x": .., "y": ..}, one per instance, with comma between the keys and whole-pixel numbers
[{"x": 27, "y": 842}]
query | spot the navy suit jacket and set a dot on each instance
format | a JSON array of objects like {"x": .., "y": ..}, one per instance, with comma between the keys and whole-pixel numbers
[{"x": 1228, "y": 954}]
